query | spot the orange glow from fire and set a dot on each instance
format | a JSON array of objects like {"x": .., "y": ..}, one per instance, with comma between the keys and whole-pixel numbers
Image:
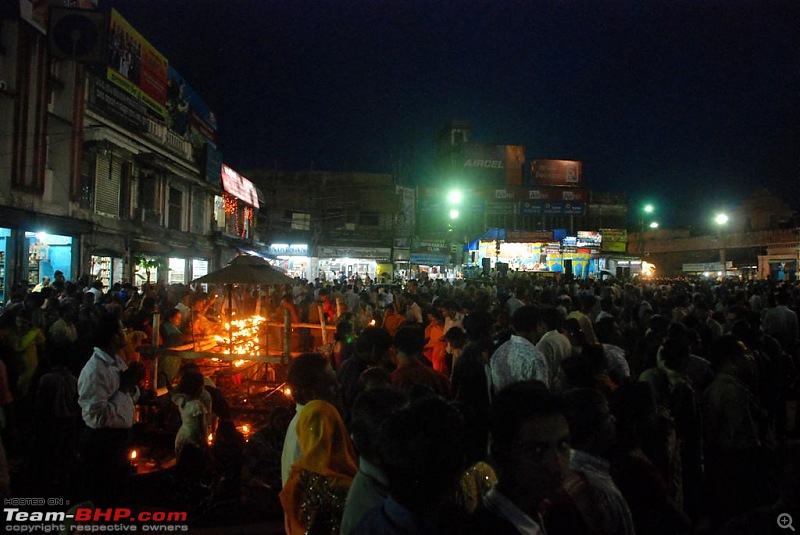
[
  {"x": 134, "y": 454},
  {"x": 240, "y": 337}
]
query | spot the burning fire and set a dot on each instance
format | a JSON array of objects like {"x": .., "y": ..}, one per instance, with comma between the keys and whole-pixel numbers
[
  {"x": 134, "y": 454},
  {"x": 240, "y": 337}
]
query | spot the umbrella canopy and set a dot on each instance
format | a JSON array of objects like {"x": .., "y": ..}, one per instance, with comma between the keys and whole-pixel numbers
[{"x": 246, "y": 270}]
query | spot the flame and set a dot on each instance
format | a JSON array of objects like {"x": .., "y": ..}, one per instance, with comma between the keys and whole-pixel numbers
[
  {"x": 134, "y": 454},
  {"x": 372, "y": 323},
  {"x": 245, "y": 429},
  {"x": 287, "y": 392},
  {"x": 241, "y": 337},
  {"x": 210, "y": 438}
]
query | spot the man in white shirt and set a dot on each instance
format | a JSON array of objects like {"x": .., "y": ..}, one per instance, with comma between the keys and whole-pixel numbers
[
  {"x": 107, "y": 391},
  {"x": 518, "y": 359}
]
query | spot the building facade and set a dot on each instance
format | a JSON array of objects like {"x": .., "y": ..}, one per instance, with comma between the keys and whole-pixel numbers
[
  {"x": 108, "y": 166},
  {"x": 334, "y": 225}
]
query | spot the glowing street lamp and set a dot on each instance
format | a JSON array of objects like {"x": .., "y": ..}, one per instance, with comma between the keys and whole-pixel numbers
[
  {"x": 721, "y": 219},
  {"x": 455, "y": 196},
  {"x": 654, "y": 225},
  {"x": 454, "y": 214}
]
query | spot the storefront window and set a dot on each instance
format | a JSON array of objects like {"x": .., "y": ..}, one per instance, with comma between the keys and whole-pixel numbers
[
  {"x": 177, "y": 271},
  {"x": 199, "y": 268},
  {"x": 5, "y": 235},
  {"x": 107, "y": 269},
  {"x": 48, "y": 253}
]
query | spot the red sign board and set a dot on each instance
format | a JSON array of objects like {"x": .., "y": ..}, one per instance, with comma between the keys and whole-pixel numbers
[
  {"x": 561, "y": 173},
  {"x": 239, "y": 186}
]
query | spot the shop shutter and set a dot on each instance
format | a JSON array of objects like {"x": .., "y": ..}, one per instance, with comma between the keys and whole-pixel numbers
[{"x": 108, "y": 180}]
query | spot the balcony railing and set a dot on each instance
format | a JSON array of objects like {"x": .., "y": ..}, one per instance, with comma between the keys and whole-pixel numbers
[{"x": 169, "y": 139}]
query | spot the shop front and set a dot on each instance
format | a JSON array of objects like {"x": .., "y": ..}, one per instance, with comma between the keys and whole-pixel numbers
[
  {"x": 292, "y": 258},
  {"x": 107, "y": 269},
  {"x": 338, "y": 263},
  {"x": 48, "y": 253},
  {"x": 5, "y": 247}
]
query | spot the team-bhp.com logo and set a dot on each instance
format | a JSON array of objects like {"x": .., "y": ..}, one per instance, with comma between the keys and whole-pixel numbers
[{"x": 89, "y": 519}]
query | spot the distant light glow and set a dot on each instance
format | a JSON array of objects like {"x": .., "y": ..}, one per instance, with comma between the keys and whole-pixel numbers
[
  {"x": 455, "y": 196},
  {"x": 649, "y": 208},
  {"x": 654, "y": 224},
  {"x": 721, "y": 219},
  {"x": 454, "y": 214}
]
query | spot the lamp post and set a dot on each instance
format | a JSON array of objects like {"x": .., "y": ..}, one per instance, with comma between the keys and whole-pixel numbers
[
  {"x": 454, "y": 198},
  {"x": 721, "y": 220},
  {"x": 647, "y": 211}
]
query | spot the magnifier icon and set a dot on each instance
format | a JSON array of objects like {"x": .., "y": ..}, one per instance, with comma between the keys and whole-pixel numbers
[{"x": 785, "y": 521}]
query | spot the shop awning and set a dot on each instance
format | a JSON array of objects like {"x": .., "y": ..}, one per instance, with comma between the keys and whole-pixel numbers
[{"x": 148, "y": 247}]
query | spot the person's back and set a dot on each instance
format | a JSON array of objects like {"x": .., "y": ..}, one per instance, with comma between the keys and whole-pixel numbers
[
  {"x": 518, "y": 359},
  {"x": 314, "y": 495},
  {"x": 370, "y": 485},
  {"x": 410, "y": 370},
  {"x": 310, "y": 377},
  {"x": 420, "y": 448}
]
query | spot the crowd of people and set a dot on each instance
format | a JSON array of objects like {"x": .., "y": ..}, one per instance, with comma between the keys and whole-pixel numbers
[
  {"x": 531, "y": 405},
  {"x": 540, "y": 406}
]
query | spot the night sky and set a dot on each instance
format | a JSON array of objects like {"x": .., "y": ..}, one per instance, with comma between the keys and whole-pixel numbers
[{"x": 691, "y": 105}]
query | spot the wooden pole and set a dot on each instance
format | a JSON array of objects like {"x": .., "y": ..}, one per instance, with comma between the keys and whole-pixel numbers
[
  {"x": 323, "y": 323},
  {"x": 287, "y": 334},
  {"x": 156, "y": 343}
]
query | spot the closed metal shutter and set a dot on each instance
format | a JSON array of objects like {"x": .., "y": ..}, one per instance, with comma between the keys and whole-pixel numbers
[{"x": 107, "y": 183}]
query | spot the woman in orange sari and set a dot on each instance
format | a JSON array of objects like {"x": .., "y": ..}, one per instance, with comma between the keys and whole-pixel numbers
[{"x": 313, "y": 497}]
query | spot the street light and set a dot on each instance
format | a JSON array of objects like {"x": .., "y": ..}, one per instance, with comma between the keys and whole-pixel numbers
[
  {"x": 647, "y": 210},
  {"x": 721, "y": 219}
]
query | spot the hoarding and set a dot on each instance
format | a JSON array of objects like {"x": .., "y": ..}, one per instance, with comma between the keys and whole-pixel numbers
[
  {"x": 493, "y": 164},
  {"x": 559, "y": 173},
  {"x": 529, "y": 236},
  {"x": 118, "y": 105},
  {"x": 589, "y": 238},
  {"x": 239, "y": 186},
  {"x": 614, "y": 240},
  {"x": 545, "y": 207},
  {"x": 187, "y": 112},
  {"x": 136, "y": 66}
]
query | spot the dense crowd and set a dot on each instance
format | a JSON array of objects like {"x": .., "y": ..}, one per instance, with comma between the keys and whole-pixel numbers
[{"x": 525, "y": 405}]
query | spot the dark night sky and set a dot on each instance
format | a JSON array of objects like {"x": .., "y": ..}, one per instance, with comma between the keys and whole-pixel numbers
[{"x": 689, "y": 104}]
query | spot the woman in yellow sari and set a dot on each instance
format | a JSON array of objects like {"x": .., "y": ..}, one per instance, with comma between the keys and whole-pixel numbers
[{"x": 313, "y": 497}]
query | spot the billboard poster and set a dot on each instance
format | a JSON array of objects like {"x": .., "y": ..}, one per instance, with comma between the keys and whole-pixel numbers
[
  {"x": 559, "y": 173},
  {"x": 545, "y": 207},
  {"x": 136, "y": 66},
  {"x": 116, "y": 104},
  {"x": 239, "y": 186},
  {"x": 614, "y": 240},
  {"x": 557, "y": 194},
  {"x": 529, "y": 236},
  {"x": 493, "y": 164},
  {"x": 213, "y": 163},
  {"x": 589, "y": 238},
  {"x": 187, "y": 112}
]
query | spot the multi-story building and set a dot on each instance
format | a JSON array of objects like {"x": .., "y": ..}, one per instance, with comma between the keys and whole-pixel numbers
[
  {"x": 108, "y": 167},
  {"x": 523, "y": 211},
  {"x": 332, "y": 224}
]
